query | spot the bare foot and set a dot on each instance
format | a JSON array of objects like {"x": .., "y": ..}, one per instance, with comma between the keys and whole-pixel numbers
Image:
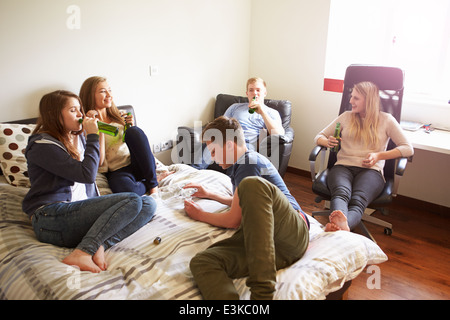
[
  {"x": 99, "y": 258},
  {"x": 338, "y": 221},
  {"x": 82, "y": 260},
  {"x": 330, "y": 227}
]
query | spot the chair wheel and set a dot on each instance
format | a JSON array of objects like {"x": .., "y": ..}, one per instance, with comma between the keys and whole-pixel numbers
[{"x": 388, "y": 231}]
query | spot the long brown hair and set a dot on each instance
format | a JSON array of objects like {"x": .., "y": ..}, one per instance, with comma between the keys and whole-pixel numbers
[
  {"x": 50, "y": 119},
  {"x": 87, "y": 95}
]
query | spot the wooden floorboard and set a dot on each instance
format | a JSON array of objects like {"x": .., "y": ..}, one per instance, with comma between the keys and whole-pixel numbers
[{"x": 418, "y": 250}]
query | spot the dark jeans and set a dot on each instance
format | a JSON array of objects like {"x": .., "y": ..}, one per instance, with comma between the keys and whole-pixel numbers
[
  {"x": 140, "y": 176},
  {"x": 352, "y": 190},
  {"x": 90, "y": 223}
]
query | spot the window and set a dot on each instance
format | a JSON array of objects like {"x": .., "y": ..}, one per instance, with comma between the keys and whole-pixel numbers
[{"x": 411, "y": 34}]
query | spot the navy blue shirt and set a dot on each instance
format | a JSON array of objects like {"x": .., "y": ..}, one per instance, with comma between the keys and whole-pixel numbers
[{"x": 253, "y": 163}]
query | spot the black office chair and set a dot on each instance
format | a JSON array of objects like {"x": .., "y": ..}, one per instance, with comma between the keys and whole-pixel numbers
[
  {"x": 277, "y": 148},
  {"x": 390, "y": 82}
]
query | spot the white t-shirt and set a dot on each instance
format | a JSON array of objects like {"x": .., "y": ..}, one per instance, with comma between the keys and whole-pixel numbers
[{"x": 79, "y": 189}]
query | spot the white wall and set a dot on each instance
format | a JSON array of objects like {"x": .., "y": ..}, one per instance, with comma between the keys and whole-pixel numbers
[
  {"x": 288, "y": 50},
  {"x": 200, "y": 47}
]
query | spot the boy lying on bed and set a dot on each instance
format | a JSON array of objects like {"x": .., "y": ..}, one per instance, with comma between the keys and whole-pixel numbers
[{"x": 266, "y": 215}]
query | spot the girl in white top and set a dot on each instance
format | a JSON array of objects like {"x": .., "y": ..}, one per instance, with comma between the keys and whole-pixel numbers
[
  {"x": 128, "y": 163},
  {"x": 357, "y": 177}
]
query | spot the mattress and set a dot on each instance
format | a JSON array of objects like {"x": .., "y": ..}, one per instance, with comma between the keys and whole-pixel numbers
[{"x": 139, "y": 268}]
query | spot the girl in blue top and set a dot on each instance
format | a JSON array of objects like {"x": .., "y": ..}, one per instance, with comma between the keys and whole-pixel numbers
[{"x": 63, "y": 202}]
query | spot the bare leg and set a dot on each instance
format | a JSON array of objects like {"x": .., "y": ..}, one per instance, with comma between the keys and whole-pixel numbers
[
  {"x": 338, "y": 221},
  {"x": 82, "y": 260}
]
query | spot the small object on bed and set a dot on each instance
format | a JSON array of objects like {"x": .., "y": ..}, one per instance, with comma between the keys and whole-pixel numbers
[{"x": 157, "y": 240}]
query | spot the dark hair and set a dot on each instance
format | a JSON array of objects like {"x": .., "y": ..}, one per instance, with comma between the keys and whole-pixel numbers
[
  {"x": 50, "y": 120},
  {"x": 224, "y": 128}
]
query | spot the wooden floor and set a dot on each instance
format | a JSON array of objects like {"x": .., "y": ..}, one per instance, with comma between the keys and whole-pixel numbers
[{"x": 418, "y": 250}]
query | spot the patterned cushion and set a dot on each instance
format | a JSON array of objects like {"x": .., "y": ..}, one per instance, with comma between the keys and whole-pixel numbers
[{"x": 13, "y": 141}]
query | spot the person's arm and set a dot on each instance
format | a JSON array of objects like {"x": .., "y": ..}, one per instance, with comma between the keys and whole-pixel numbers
[
  {"x": 229, "y": 219},
  {"x": 273, "y": 126},
  {"x": 57, "y": 160},
  {"x": 373, "y": 157},
  {"x": 205, "y": 194},
  {"x": 96, "y": 114},
  {"x": 325, "y": 138},
  {"x": 403, "y": 146}
]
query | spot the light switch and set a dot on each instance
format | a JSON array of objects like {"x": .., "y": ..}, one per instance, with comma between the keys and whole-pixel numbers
[{"x": 154, "y": 71}]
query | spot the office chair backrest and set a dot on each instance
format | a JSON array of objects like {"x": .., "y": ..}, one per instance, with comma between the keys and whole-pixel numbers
[
  {"x": 390, "y": 82},
  {"x": 388, "y": 79},
  {"x": 284, "y": 107}
]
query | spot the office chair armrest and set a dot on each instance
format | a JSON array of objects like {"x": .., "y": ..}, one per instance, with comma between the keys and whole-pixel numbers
[
  {"x": 288, "y": 136},
  {"x": 401, "y": 166},
  {"x": 316, "y": 151}
]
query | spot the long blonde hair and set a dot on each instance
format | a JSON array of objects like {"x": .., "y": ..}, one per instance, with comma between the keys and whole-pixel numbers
[
  {"x": 365, "y": 129},
  {"x": 87, "y": 95}
]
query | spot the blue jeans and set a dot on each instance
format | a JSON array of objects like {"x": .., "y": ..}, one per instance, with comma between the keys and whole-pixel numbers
[
  {"x": 89, "y": 224},
  {"x": 352, "y": 190},
  {"x": 140, "y": 175}
]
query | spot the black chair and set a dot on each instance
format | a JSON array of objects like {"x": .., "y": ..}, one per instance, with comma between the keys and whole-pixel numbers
[
  {"x": 390, "y": 82},
  {"x": 277, "y": 148}
]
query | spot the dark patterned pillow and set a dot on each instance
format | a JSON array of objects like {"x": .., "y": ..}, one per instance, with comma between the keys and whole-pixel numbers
[{"x": 13, "y": 141}]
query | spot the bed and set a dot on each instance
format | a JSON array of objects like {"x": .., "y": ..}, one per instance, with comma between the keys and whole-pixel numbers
[{"x": 138, "y": 267}]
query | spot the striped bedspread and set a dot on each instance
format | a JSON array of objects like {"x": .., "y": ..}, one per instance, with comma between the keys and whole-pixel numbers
[{"x": 140, "y": 269}]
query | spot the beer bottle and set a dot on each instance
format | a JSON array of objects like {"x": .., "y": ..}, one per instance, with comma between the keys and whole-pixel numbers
[
  {"x": 105, "y": 128},
  {"x": 251, "y": 110},
  {"x": 337, "y": 135}
]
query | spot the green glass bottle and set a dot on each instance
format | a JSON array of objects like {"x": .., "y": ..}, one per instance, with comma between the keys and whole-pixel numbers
[
  {"x": 105, "y": 128},
  {"x": 125, "y": 127},
  {"x": 251, "y": 110},
  {"x": 337, "y": 135}
]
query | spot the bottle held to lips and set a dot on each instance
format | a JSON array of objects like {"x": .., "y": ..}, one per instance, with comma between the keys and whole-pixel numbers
[
  {"x": 105, "y": 128},
  {"x": 251, "y": 110},
  {"x": 127, "y": 125}
]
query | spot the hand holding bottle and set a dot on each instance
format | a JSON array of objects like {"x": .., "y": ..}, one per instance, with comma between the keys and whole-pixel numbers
[
  {"x": 332, "y": 142},
  {"x": 101, "y": 126},
  {"x": 128, "y": 118},
  {"x": 253, "y": 105},
  {"x": 90, "y": 125}
]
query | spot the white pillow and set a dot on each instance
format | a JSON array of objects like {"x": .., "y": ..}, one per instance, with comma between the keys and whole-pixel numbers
[{"x": 13, "y": 142}]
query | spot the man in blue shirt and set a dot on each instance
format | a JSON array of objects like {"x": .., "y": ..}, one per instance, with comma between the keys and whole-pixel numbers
[
  {"x": 263, "y": 211},
  {"x": 264, "y": 118}
]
